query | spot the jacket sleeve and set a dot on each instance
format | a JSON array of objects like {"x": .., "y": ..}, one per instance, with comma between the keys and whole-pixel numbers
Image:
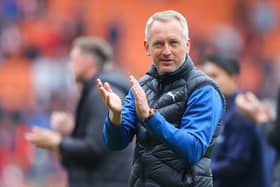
[
  {"x": 198, "y": 124},
  {"x": 118, "y": 137},
  {"x": 89, "y": 149}
]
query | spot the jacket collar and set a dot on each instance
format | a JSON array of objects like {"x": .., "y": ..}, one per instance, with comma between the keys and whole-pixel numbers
[
  {"x": 181, "y": 72},
  {"x": 230, "y": 100}
]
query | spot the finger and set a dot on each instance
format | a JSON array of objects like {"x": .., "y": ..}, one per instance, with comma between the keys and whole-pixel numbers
[
  {"x": 99, "y": 83},
  {"x": 58, "y": 120},
  {"x": 33, "y": 138},
  {"x": 107, "y": 101},
  {"x": 100, "y": 86},
  {"x": 36, "y": 129},
  {"x": 252, "y": 98},
  {"x": 28, "y": 136},
  {"x": 243, "y": 103},
  {"x": 133, "y": 81},
  {"x": 101, "y": 89},
  {"x": 139, "y": 94},
  {"x": 108, "y": 87},
  {"x": 55, "y": 113},
  {"x": 56, "y": 116},
  {"x": 239, "y": 99},
  {"x": 249, "y": 96}
]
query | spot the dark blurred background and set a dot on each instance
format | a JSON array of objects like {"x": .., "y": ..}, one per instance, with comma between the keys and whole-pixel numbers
[{"x": 36, "y": 35}]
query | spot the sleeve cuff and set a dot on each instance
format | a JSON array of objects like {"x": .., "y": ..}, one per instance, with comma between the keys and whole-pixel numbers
[
  {"x": 109, "y": 125},
  {"x": 153, "y": 120}
]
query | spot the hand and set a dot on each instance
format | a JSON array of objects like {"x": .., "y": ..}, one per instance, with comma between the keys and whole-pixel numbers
[
  {"x": 62, "y": 122},
  {"x": 112, "y": 101},
  {"x": 141, "y": 103},
  {"x": 44, "y": 138},
  {"x": 249, "y": 104}
]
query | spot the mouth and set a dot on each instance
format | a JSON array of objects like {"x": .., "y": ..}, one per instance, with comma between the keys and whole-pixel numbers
[{"x": 166, "y": 61}]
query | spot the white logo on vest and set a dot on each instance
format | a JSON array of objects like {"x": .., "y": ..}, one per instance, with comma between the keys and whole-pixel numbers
[{"x": 173, "y": 96}]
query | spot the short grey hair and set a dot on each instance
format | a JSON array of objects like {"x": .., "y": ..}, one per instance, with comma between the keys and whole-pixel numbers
[
  {"x": 97, "y": 47},
  {"x": 167, "y": 15}
]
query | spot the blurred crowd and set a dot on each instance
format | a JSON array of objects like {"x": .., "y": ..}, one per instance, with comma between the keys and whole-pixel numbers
[{"x": 35, "y": 38}]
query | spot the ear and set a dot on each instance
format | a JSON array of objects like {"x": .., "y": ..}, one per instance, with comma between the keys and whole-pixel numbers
[
  {"x": 188, "y": 46},
  {"x": 146, "y": 45},
  {"x": 235, "y": 78}
]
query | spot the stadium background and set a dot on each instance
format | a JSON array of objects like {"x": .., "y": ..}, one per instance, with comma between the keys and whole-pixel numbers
[{"x": 35, "y": 37}]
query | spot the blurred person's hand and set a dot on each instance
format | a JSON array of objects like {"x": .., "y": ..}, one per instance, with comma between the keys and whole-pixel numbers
[
  {"x": 253, "y": 108},
  {"x": 44, "y": 138},
  {"x": 62, "y": 122}
]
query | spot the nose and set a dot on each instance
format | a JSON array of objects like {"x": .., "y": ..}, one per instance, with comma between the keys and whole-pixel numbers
[{"x": 166, "y": 50}]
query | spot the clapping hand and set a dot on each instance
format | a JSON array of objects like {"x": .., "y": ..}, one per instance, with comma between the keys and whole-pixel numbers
[
  {"x": 112, "y": 101},
  {"x": 142, "y": 107},
  {"x": 44, "y": 138},
  {"x": 62, "y": 122}
]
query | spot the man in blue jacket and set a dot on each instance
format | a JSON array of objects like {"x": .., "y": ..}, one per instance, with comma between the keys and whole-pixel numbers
[
  {"x": 174, "y": 111},
  {"x": 238, "y": 158}
]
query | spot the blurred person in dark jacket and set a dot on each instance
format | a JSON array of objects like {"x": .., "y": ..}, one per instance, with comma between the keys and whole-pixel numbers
[
  {"x": 238, "y": 158},
  {"x": 260, "y": 113},
  {"x": 79, "y": 143}
]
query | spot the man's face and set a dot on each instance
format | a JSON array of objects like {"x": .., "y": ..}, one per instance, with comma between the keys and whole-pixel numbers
[
  {"x": 79, "y": 63},
  {"x": 166, "y": 45},
  {"x": 226, "y": 82}
]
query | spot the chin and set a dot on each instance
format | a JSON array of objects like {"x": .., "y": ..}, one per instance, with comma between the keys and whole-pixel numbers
[{"x": 166, "y": 70}]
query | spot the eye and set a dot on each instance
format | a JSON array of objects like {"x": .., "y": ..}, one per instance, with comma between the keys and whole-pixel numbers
[
  {"x": 213, "y": 76},
  {"x": 158, "y": 44},
  {"x": 174, "y": 43}
]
